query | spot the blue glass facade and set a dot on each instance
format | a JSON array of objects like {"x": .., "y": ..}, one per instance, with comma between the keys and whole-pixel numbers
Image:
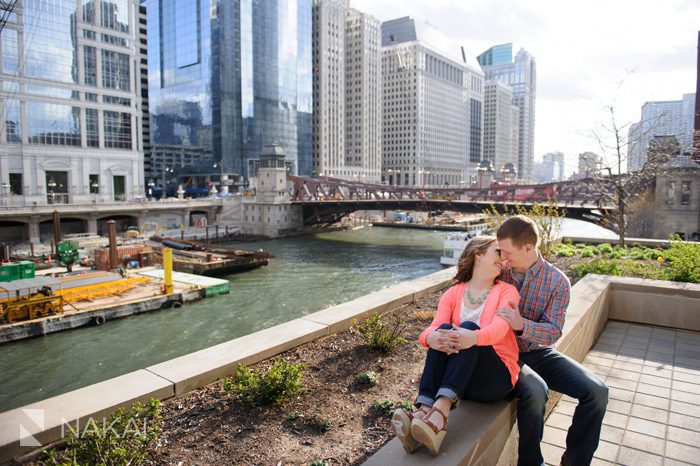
[
  {"x": 226, "y": 78},
  {"x": 497, "y": 55}
]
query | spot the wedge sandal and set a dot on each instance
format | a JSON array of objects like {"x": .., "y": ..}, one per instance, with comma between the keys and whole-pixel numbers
[{"x": 427, "y": 433}]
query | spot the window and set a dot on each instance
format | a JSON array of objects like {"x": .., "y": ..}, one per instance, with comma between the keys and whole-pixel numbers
[
  {"x": 117, "y": 130},
  {"x": 90, "y": 65},
  {"x": 16, "y": 183},
  {"x": 115, "y": 70},
  {"x": 92, "y": 129},
  {"x": 119, "y": 188},
  {"x": 685, "y": 192},
  {"x": 670, "y": 192},
  {"x": 94, "y": 184}
]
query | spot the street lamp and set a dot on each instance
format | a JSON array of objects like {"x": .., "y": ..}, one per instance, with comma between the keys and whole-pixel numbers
[
  {"x": 93, "y": 190},
  {"x": 165, "y": 172},
  {"x": 151, "y": 184}
]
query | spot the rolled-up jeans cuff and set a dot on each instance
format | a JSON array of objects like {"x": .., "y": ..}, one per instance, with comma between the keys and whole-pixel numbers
[
  {"x": 448, "y": 392},
  {"x": 423, "y": 400}
]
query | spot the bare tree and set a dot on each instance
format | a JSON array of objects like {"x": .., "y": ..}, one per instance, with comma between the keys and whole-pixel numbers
[{"x": 621, "y": 189}]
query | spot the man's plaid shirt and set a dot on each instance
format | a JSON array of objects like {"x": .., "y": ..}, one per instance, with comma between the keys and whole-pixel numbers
[{"x": 544, "y": 297}]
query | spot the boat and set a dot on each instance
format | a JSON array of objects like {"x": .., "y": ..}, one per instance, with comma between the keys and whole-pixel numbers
[
  {"x": 454, "y": 245},
  {"x": 211, "y": 260}
]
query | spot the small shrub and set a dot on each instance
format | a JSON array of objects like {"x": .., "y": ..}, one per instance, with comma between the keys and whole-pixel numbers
[
  {"x": 683, "y": 261},
  {"x": 282, "y": 381},
  {"x": 405, "y": 404},
  {"x": 294, "y": 415},
  {"x": 388, "y": 406},
  {"x": 320, "y": 463},
  {"x": 605, "y": 248},
  {"x": 588, "y": 252},
  {"x": 124, "y": 438},
  {"x": 321, "y": 423},
  {"x": 380, "y": 336},
  {"x": 597, "y": 266},
  {"x": 368, "y": 378}
]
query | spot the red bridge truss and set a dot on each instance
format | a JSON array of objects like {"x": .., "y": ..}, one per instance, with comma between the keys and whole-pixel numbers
[{"x": 327, "y": 199}]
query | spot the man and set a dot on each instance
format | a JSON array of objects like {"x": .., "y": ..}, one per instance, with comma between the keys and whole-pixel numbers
[{"x": 544, "y": 297}]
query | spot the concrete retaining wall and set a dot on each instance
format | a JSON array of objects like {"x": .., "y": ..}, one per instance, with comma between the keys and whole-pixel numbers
[{"x": 180, "y": 375}]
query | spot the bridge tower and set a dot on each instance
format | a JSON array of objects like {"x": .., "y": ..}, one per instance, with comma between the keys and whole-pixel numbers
[{"x": 270, "y": 212}]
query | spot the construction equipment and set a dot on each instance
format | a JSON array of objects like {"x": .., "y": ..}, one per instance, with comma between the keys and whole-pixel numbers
[
  {"x": 68, "y": 254},
  {"x": 40, "y": 304}
]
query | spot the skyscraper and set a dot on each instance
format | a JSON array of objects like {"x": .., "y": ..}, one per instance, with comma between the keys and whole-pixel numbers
[
  {"x": 433, "y": 107},
  {"x": 225, "y": 78},
  {"x": 500, "y": 128},
  {"x": 551, "y": 168},
  {"x": 521, "y": 73},
  {"x": 70, "y": 103},
  {"x": 661, "y": 118},
  {"x": 347, "y": 92}
]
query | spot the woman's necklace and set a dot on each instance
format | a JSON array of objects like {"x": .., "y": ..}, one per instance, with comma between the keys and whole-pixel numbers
[{"x": 479, "y": 299}]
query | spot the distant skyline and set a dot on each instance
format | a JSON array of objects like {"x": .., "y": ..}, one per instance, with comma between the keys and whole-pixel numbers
[{"x": 588, "y": 55}]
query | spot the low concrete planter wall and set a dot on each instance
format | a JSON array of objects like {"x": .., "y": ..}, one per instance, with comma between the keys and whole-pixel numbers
[
  {"x": 180, "y": 375},
  {"x": 491, "y": 437}
]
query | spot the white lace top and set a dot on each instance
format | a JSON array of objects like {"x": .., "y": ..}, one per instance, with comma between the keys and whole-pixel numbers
[{"x": 472, "y": 315}]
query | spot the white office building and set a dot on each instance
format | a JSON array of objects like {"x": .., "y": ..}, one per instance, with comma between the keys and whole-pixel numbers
[
  {"x": 551, "y": 168},
  {"x": 70, "y": 103},
  {"x": 347, "y": 86},
  {"x": 500, "y": 127},
  {"x": 433, "y": 107},
  {"x": 661, "y": 118}
]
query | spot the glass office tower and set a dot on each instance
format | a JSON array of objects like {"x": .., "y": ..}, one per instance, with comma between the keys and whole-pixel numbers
[
  {"x": 226, "y": 78},
  {"x": 69, "y": 106}
]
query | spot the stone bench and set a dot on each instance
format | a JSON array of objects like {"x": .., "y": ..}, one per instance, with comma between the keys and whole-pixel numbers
[{"x": 484, "y": 434}]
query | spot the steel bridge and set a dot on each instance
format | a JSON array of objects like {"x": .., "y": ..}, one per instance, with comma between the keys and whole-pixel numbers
[{"x": 326, "y": 200}]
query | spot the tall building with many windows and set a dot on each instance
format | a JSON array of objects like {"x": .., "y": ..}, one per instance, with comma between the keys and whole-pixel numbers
[
  {"x": 347, "y": 92},
  {"x": 500, "y": 128},
  {"x": 433, "y": 107},
  {"x": 661, "y": 118},
  {"x": 70, "y": 102},
  {"x": 225, "y": 79},
  {"x": 551, "y": 168},
  {"x": 521, "y": 74}
]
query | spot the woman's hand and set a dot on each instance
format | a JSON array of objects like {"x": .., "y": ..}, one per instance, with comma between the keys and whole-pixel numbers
[
  {"x": 441, "y": 340},
  {"x": 461, "y": 338}
]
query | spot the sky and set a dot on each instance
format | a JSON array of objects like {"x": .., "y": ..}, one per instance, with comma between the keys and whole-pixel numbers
[{"x": 589, "y": 55}]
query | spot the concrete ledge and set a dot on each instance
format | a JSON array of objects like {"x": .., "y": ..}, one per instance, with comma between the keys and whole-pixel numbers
[
  {"x": 490, "y": 437},
  {"x": 205, "y": 366},
  {"x": 489, "y": 428},
  {"x": 45, "y": 420},
  {"x": 180, "y": 375}
]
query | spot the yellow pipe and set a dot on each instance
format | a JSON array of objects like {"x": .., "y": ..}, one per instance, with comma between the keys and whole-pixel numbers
[{"x": 168, "y": 270}]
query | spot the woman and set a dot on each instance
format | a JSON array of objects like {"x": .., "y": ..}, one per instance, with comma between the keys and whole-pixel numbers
[{"x": 472, "y": 352}]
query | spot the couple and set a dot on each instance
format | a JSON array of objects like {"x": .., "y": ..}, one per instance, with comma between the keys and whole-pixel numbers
[{"x": 494, "y": 333}]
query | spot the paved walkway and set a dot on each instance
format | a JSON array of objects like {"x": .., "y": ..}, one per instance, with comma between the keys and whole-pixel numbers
[{"x": 653, "y": 416}]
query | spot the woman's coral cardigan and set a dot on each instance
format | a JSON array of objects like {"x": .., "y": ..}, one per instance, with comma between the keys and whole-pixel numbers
[{"x": 495, "y": 331}]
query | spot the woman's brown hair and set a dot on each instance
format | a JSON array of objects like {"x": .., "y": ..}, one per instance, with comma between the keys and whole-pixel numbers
[{"x": 465, "y": 264}]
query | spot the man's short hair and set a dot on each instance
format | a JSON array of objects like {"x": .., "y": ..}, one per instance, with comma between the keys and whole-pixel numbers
[{"x": 520, "y": 229}]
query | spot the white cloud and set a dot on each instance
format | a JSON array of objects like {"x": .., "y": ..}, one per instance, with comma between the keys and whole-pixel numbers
[{"x": 583, "y": 51}]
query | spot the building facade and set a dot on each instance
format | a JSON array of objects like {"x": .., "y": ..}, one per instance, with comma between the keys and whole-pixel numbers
[
  {"x": 225, "y": 79},
  {"x": 70, "y": 103},
  {"x": 500, "y": 127},
  {"x": 433, "y": 104},
  {"x": 521, "y": 74},
  {"x": 551, "y": 168},
  {"x": 347, "y": 87},
  {"x": 661, "y": 118},
  {"x": 677, "y": 199},
  {"x": 589, "y": 164}
]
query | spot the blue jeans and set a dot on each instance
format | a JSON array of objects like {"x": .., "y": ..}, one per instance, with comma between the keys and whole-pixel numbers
[
  {"x": 545, "y": 369},
  {"x": 475, "y": 373}
]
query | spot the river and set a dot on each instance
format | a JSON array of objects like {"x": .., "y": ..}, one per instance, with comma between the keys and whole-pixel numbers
[{"x": 307, "y": 274}]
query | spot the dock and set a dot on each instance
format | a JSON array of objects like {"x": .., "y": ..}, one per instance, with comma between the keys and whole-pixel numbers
[{"x": 145, "y": 297}]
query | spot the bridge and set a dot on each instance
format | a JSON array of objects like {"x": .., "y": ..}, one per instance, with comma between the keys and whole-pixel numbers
[{"x": 326, "y": 200}]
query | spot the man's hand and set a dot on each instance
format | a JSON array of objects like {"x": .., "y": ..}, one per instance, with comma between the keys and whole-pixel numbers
[{"x": 512, "y": 316}]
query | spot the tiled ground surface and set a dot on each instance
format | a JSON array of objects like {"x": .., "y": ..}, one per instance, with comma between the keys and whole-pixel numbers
[{"x": 653, "y": 415}]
